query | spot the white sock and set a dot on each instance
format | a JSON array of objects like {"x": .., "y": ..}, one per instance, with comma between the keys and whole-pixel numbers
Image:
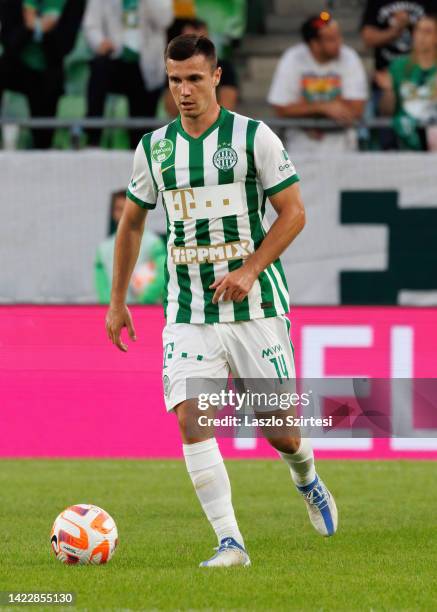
[
  {"x": 211, "y": 482},
  {"x": 301, "y": 463}
]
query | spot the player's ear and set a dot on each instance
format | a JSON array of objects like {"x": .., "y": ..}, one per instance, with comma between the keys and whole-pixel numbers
[{"x": 217, "y": 76}]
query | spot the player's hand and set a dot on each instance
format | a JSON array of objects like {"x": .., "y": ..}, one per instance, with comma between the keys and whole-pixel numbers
[
  {"x": 337, "y": 110},
  {"x": 234, "y": 286},
  {"x": 116, "y": 319}
]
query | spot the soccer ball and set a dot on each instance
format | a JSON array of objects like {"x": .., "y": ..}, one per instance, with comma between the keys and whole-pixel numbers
[{"x": 84, "y": 534}]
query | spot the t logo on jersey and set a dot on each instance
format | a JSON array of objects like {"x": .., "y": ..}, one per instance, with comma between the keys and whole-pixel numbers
[
  {"x": 214, "y": 201},
  {"x": 183, "y": 204}
]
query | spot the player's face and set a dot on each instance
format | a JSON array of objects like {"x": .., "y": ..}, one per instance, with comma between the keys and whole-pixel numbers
[
  {"x": 329, "y": 41},
  {"x": 425, "y": 35},
  {"x": 193, "y": 84}
]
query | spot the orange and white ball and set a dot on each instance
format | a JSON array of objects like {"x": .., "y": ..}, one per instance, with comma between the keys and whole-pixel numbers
[{"x": 84, "y": 534}]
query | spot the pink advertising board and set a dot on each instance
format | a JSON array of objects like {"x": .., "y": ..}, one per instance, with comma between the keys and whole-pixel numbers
[{"x": 67, "y": 392}]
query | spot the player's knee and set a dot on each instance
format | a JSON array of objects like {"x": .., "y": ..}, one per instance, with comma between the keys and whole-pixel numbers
[
  {"x": 183, "y": 422},
  {"x": 189, "y": 427},
  {"x": 285, "y": 444}
]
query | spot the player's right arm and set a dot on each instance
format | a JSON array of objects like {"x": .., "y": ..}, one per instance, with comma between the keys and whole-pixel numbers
[
  {"x": 127, "y": 248},
  {"x": 141, "y": 196}
]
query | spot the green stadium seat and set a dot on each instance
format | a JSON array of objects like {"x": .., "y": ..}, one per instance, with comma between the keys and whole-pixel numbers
[
  {"x": 116, "y": 107},
  {"x": 15, "y": 106},
  {"x": 69, "y": 107},
  {"x": 161, "y": 113},
  {"x": 226, "y": 20},
  {"x": 73, "y": 104},
  {"x": 74, "y": 107},
  {"x": 76, "y": 68}
]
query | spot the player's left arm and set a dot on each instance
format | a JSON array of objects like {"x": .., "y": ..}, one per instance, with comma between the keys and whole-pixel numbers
[
  {"x": 290, "y": 222},
  {"x": 277, "y": 176}
]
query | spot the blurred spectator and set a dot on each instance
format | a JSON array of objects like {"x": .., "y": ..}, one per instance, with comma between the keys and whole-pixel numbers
[
  {"x": 386, "y": 27},
  {"x": 36, "y": 35},
  {"x": 410, "y": 88},
  {"x": 128, "y": 39},
  {"x": 227, "y": 91},
  {"x": 147, "y": 281},
  {"x": 320, "y": 77}
]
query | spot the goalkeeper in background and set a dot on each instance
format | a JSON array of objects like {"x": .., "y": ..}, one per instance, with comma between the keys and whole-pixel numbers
[{"x": 147, "y": 282}]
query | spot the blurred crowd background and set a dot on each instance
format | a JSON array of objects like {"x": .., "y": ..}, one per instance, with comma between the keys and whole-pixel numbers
[
  {"x": 350, "y": 86},
  {"x": 82, "y": 80},
  {"x": 366, "y": 67}
]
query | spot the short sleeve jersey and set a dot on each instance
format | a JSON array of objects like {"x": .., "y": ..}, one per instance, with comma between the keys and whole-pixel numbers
[{"x": 214, "y": 190}]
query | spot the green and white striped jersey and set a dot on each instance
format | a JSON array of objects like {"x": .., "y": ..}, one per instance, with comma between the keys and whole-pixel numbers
[{"x": 214, "y": 189}]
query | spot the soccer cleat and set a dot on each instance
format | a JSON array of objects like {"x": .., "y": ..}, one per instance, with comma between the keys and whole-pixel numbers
[
  {"x": 321, "y": 507},
  {"x": 228, "y": 553}
]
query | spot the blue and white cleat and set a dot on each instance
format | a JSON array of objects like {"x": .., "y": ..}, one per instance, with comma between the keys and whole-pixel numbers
[
  {"x": 228, "y": 553},
  {"x": 321, "y": 507}
]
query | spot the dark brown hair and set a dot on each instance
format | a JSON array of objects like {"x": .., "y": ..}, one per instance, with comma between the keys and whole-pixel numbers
[
  {"x": 185, "y": 46},
  {"x": 310, "y": 29}
]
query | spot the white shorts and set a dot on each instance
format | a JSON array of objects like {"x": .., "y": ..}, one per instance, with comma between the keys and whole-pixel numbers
[{"x": 256, "y": 349}]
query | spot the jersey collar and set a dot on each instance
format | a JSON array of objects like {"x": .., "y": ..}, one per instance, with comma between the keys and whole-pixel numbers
[{"x": 207, "y": 132}]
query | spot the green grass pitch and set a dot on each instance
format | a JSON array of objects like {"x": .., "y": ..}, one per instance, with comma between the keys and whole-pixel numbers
[{"x": 384, "y": 556}]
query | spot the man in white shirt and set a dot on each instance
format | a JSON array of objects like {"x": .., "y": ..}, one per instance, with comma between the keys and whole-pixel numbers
[
  {"x": 320, "y": 78},
  {"x": 128, "y": 40}
]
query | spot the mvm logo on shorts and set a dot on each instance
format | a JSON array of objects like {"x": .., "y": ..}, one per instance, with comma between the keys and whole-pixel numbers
[
  {"x": 271, "y": 350},
  {"x": 210, "y": 254},
  {"x": 211, "y": 202}
]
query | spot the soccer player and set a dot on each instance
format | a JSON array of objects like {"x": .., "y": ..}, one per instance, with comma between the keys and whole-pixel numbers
[{"x": 226, "y": 289}]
